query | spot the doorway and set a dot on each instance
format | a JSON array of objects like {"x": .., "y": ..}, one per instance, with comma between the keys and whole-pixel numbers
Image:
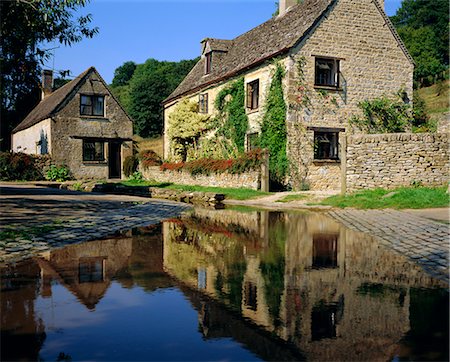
[{"x": 114, "y": 160}]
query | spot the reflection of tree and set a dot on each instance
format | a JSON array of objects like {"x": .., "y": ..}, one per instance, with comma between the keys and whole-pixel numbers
[
  {"x": 22, "y": 332},
  {"x": 273, "y": 265}
]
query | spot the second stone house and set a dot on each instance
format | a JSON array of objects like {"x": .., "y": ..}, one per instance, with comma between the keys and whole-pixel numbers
[
  {"x": 81, "y": 125},
  {"x": 335, "y": 53}
]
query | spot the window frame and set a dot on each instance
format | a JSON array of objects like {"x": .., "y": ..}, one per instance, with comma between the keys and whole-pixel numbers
[
  {"x": 102, "y": 158},
  {"x": 251, "y": 145},
  {"x": 208, "y": 63},
  {"x": 93, "y": 98},
  {"x": 203, "y": 103},
  {"x": 335, "y": 73},
  {"x": 253, "y": 95},
  {"x": 332, "y": 153}
]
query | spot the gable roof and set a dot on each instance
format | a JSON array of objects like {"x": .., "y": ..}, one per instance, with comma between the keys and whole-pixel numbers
[
  {"x": 50, "y": 104},
  {"x": 274, "y": 37},
  {"x": 270, "y": 39}
]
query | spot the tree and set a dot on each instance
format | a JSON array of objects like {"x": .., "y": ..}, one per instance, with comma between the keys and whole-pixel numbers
[
  {"x": 123, "y": 74},
  {"x": 151, "y": 83},
  {"x": 27, "y": 28},
  {"x": 424, "y": 27}
]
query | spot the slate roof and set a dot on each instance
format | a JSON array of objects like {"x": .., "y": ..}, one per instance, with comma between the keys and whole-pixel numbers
[
  {"x": 267, "y": 40},
  {"x": 49, "y": 105},
  {"x": 274, "y": 37}
]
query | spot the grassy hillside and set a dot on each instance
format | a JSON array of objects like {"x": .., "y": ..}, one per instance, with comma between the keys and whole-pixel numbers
[
  {"x": 155, "y": 144},
  {"x": 436, "y": 97}
]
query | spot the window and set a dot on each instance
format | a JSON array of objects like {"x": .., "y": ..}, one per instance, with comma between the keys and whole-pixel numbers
[
  {"x": 208, "y": 62},
  {"x": 253, "y": 94},
  {"x": 251, "y": 296},
  {"x": 325, "y": 248},
  {"x": 327, "y": 72},
  {"x": 203, "y": 103},
  {"x": 252, "y": 141},
  {"x": 91, "y": 270},
  {"x": 326, "y": 145},
  {"x": 91, "y": 105},
  {"x": 93, "y": 151}
]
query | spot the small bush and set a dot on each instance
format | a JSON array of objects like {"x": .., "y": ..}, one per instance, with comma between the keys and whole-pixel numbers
[
  {"x": 130, "y": 165},
  {"x": 18, "y": 166},
  {"x": 58, "y": 173},
  {"x": 149, "y": 158},
  {"x": 136, "y": 177}
]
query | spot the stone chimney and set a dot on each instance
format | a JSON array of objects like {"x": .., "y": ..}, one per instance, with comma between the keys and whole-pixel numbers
[
  {"x": 284, "y": 5},
  {"x": 47, "y": 83}
]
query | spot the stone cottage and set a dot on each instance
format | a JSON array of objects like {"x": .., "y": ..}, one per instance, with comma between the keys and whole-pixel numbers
[
  {"x": 81, "y": 125},
  {"x": 335, "y": 53}
]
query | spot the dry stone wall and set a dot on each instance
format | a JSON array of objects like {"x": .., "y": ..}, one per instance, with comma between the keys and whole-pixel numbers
[
  {"x": 400, "y": 159},
  {"x": 251, "y": 179}
]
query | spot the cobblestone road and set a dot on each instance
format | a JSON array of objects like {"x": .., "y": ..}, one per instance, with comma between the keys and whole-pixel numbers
[
  {"x": 35, "y": 220},
  {"x": 424, "y": 241}
]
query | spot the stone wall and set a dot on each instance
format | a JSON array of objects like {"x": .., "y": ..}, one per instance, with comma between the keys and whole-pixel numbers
[
  {"x": 251, "y": 179},
  {"x": 400, "y": 159}
]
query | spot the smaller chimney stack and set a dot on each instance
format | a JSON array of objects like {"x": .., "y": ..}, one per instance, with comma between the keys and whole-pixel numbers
[
  {"x": 284, "y": 5},
  {"x": 47, "y": 83}
]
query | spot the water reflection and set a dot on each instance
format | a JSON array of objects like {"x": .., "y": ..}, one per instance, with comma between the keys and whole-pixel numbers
[{"x": 225, "y": 285}]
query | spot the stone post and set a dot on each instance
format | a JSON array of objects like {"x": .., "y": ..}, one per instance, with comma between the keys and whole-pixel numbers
[
  {"x": 343, "y": 143},
  {"x": 265, "y": 171}
]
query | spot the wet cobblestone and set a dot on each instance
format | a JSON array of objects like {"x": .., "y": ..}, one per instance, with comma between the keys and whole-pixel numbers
[
  {"x": 95, "y": 226},
  {"x": 423, "y": 241}
]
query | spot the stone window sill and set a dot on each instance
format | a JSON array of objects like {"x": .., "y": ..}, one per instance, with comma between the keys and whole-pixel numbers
[
  {"x": 95, "y": 163},
  {"x": 94, "y": 118},
  {"x": 326, "y": 161},
  {"x": 328, "y": 88},
  {"x": 250, "y": 111}
]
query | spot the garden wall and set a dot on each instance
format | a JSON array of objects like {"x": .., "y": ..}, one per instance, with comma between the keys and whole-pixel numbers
[
  {"x": 250, "y": 179},
  {"x": 400, "y": 159}
]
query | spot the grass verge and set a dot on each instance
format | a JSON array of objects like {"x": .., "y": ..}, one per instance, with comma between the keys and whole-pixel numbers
[
  {"x": 290, "y": 198},
  {"x": 400, "y": 198},
  {"x": 230, "y": 193}
]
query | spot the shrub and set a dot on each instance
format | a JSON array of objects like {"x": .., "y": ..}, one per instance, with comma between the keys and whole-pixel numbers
[
  {"x": 205, "y": 166},
  {"x": 149, "y": 158},
  {"x": 18, "y": 166},
  {"x": 137, "y": 177},
  {"x": 58, "y": 173},
  {"x": 130, "y": 165}
]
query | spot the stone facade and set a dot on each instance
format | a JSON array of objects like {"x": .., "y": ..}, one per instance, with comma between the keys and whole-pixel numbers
[
  {"x": 251, "y": 179},
  {"x": 400, "y": 159},
  {"x": 36, "y": 140},
  {"x": 372, "y": 62},
  {"x": 67, "y": 129}
]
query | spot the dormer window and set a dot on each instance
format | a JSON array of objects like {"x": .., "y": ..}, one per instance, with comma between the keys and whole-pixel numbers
[
  {"x": 92, "y": 105},
  {"x": 327, "y": 72},
  {"x": 208, "y": 62}
]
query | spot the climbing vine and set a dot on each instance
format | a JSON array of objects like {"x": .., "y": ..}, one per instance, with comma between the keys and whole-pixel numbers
[
  {"x": 273, "y": 128},
  {"x": 232, "y": 121}
]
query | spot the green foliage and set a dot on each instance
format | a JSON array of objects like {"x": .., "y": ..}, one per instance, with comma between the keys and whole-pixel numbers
[
  {"x": 232, "y": 118},
  {"x": 151, "y": 83},
  {"x": 290, "y": 198},
  {"x": 123, "y": 74},
  {"x": 383, "y": 115},
  {"x": 58, "y": 173},
  {"x": 402, "y": 198},
  {"x": 421, "y": 121},
  {"x": 424, "y": 27},
  {"x": 130, "y": 165},
  {"x": 273, "y": 128},
  {"x": 18, "y": 166},
  {"x": 122, "y": 93},
  {"x": 136, "y": 177},
  {"x": 186, "y": 125},
  {"x": 27, "y": 29}
]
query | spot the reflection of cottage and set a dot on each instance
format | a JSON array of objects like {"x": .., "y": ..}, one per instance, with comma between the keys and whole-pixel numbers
[
  {"x": 81, "y": 125},
  {"x": 336, "y": 53}
]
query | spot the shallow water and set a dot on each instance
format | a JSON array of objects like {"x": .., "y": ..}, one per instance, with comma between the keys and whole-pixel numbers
[{"x": 225, "y": 285}]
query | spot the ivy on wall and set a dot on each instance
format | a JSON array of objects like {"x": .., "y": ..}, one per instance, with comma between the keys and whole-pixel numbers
[
  {"x": 232, "y": 119},
  {"x": 273, "y": 128}
]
